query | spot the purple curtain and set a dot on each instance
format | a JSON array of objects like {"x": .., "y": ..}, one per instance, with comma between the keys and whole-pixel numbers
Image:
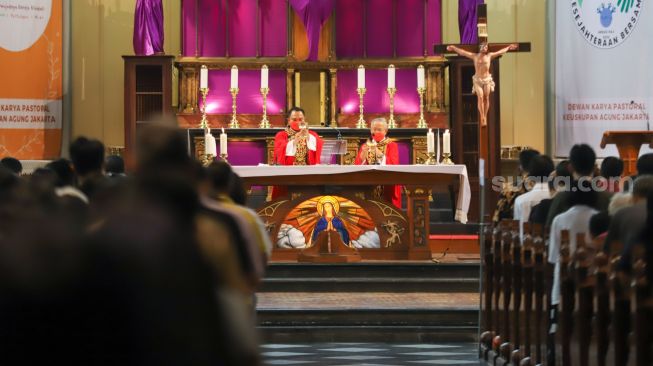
[
  {"x": 274, "y": 39},
  {"x": 313, "y": 14},
  {"x": 434, "y": 29},
  {"x": 242, "y": 28},
  {"x": 349, "y": 28},
  {"x": 188, "y": 13},
  {"x": 249, "y": 97},
  {"x": 410, "y": 28},
  {"x": 148, "y": 27},
  {"x": 467, "y": 20},
  {"x": 243, "y": 152},
  {"x": 211, "y": 28},
  {"x": 376, "y": 97},
  {"x": 379, "y": 27}
]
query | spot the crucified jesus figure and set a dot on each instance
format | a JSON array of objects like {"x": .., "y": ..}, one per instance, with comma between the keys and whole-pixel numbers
[{"x": 483, "y": 84}]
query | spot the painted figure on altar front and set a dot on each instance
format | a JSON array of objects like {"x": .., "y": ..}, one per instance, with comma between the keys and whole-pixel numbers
[
  {"x": 327, "y": 208},
  {"x": 296, "y": 145},
  {"x": 309, "y": 218},
  {"x": 380, "y": 150},
  {"x": 483, "y": 84}
]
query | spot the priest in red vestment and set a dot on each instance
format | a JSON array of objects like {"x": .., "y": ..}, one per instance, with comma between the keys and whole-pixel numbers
[
  {"x": 380, "y": 150},
  {"x": 296, "y": 145}
]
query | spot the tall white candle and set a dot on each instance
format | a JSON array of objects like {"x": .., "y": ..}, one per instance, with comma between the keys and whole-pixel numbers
[
  {"x": 361, "y": 77},
  {"x": 391, "y": 76},
  {"x": 264, "y": 77},
  {"x": 209, "y": 144},
  {"x": 437, "y": 150},
  {"x": 420, "y": 76},
  {"x": 234, "y": 77},
  {"x": 223, "y": 143},
  {"x": 446, "y": 142},
  {"x": 430, "y": 142},
  {"x": 204, "y": 77}
]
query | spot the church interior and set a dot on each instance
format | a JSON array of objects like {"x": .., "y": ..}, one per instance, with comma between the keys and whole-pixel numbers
[{"x": 327, "y": 182}]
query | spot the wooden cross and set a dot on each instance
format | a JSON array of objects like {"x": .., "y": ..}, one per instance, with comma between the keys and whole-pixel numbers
[{"x": 481, "y": 24}]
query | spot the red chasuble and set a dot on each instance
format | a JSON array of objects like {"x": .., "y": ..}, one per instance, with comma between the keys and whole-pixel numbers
[
  {"x": 303, "y": 155},
  {"x": 391, "y": 152}
]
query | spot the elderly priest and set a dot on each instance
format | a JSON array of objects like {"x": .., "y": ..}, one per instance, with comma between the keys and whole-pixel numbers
[{"x": 380, "y": 150}]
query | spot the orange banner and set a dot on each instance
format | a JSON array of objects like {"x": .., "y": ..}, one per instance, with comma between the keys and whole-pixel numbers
[{"x": 31, "y": 97}]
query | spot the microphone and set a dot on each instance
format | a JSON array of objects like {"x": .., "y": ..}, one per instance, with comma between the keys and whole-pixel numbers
[
  {"x": 339, "y": 137},
  {"x": 639, "y": 107}
]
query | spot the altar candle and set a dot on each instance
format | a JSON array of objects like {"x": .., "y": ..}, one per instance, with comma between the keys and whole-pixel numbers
[
  {"x": 209, "y": 144},
  {"x": 420, "y": 76},
  {"x": 437, "y": 151},
  {"x": 234, "y": 77},
  {"x": 264, "y": 77},
  {"x": 430, "y": 142},
  {"x": 223, "y": 143},
  {"x": 204, "y": 77},
  {"x": 446, "y": 146},
  {"x": 391, "y": 76},
  {"x": 361, "y": 77}
]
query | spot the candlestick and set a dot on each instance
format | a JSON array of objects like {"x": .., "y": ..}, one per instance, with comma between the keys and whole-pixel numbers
[
  {"x": 361, "y": 77},
  {"x": 391, "y": 76},
  {"x": 446, "y": 159},
  {"x": 204, "y": 122},
  {"x": 204, "y": 77},
  {"x": 234, "y": 120},
  {"x": 223, "y": 143},
  {"x": 264, "y": 121},
  {"x": 421, "y": 123},
  {"x": 264, "y": 77},
  {"x": 361, "y": 121},
  {"x": 391, "y": 121},
  {"x": 234, "y": 77},
  {"x": 431, "y": 159},
  {"x": 224, "y": 158}
]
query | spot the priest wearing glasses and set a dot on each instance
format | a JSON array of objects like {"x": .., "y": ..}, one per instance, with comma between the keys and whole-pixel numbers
[{"x": 380, "y": 150}]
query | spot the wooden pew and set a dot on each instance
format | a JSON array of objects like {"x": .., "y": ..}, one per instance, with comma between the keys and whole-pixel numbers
[
  {"x": 595, "y": 319},
  {"x": 567, "y": 300},
  {"x": 539, "y": 250}
]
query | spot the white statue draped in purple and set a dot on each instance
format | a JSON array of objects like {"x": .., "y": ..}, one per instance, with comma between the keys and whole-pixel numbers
[{"x": 148, "y": 27}]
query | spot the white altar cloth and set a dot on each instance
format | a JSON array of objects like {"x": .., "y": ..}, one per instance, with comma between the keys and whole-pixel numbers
[{"x": 464, "y": 191}]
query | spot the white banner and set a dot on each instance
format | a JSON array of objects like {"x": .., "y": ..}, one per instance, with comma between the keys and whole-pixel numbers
[
  {"x": 603, "y": 71},
  {"x": 30, "y": 113}
]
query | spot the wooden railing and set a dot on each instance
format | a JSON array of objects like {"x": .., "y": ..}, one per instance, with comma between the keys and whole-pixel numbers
[{"x": 604, "y": 318}]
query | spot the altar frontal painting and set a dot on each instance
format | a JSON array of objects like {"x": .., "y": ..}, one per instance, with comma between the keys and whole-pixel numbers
[{"x": 309, "y": 218}]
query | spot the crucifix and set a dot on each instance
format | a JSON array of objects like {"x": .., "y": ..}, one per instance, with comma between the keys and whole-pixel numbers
[{"x": 483, "y": 84}]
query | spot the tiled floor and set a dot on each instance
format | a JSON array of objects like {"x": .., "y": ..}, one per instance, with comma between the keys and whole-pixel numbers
[
  {"x": 369, "y": 354},
  {"x": 377, "y": 300}
]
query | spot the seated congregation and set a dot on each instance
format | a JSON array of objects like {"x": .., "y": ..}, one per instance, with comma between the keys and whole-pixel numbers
[
  {"x": 567, "y": 265},
  {"x": 151, "y": 268}
]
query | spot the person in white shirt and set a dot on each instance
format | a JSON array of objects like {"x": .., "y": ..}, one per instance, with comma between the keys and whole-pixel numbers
[
  {"x": 576, "y": 220},
  {"x": 539, "y": 169}
]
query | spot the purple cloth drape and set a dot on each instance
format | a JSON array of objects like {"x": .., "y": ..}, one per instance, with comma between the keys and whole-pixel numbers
[
  {"x": 249, "y": 97},
  {"x": 467, "y": 20},
  {"x": 148, "y": 27},
  {"x": 376, "y": 98},
  {"x": 313, "y": 14}
]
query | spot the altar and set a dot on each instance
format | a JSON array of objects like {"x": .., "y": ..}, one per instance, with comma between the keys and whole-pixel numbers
[{"x": 371, "y": 226}]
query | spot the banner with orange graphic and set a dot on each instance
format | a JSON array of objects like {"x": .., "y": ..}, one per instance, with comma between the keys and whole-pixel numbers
[{"x": 31, "y": 92}]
